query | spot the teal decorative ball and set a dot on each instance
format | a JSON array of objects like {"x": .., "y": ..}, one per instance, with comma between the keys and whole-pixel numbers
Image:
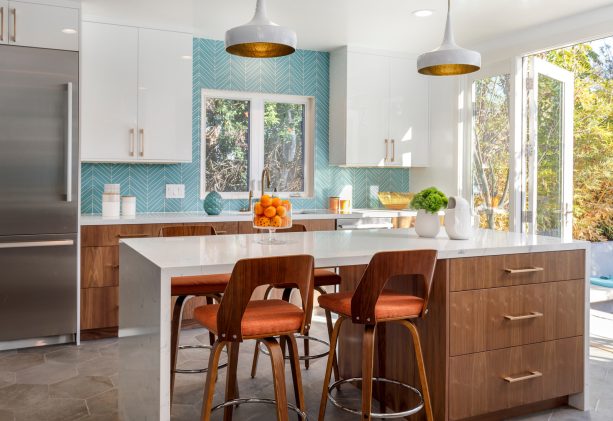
[{"x": 213, "y": 203}]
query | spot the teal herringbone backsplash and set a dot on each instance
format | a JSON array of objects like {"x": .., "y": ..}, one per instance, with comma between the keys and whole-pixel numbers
[{"x": 302, "y": 73}]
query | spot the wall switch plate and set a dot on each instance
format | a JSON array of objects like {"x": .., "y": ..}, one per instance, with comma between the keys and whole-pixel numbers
[{"x": 175, "y": 191}]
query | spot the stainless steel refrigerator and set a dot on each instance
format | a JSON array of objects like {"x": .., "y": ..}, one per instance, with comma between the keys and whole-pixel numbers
[{"x": 39, "y": 167}]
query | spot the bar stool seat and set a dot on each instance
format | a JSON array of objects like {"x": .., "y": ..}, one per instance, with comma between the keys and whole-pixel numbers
[
  {"x": 199, "y": 285},
  {"x": 262, "y": 318},
  {"x": 391, "y": 305},
  {"x": 326, "y": 277}
]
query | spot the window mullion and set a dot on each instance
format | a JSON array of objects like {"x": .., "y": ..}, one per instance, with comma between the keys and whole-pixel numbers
[{"x": 257, "y": 139}]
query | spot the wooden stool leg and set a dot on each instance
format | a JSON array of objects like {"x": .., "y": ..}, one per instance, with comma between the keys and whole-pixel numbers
[
  {"x": 175, "y": 334},
  {"x": 278, "y": 372},
  {"x": 296, "y": 375},
  {"x": 231, "y": 383},
  {"x": 368, "y": 354},
  {"x": 331, "y": 355},
  {"x": 421, "y": 366},
  {"x": 330, "y": 328},
  {"x": 211, "y": 378},
  {"x": 209, "y": 300},
  {"x": 380, "y": 337},
  {"x": 256, "y": 353}
]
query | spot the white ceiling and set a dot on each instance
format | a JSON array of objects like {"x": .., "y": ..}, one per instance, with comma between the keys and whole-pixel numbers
[{"x": 327, "y": 24}]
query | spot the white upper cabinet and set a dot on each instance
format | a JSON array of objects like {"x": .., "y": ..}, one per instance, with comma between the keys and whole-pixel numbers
[
  {"x": 165, "y": 95},
  {"x": 40, "y": 25},
  {"x": 379, "y": 113},
  {"x": 136, "y": 95}
]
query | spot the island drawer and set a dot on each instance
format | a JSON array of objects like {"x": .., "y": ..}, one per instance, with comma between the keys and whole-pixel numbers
[
  {"x": 487, "y": 319},
  {"x": 99, "y": 267},
  {"x": 491, "y": 381},
  {"x": 515, "y": 269}
]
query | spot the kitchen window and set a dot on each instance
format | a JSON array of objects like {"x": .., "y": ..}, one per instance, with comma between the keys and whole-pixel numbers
[{"x": 243, "y": 133}]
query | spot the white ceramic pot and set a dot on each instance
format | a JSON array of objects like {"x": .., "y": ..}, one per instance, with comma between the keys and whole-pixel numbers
[
  {"x": 427, "y": 224},
  {"x": 458, "y": 222}
]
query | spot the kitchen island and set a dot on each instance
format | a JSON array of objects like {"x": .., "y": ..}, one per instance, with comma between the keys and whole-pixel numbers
[{"x": 505, "y": 332}]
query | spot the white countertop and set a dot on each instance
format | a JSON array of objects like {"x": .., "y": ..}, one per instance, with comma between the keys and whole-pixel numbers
[
  {"x": 217, "y": 254},
  {"x": 231, "y": 216}
]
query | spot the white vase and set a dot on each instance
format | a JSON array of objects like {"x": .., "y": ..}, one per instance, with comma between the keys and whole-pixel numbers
[
  {"x": 427, "y": 224},
  {"x": 458, "y": 222}
]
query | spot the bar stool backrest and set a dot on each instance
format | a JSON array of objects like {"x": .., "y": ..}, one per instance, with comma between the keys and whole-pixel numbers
[
  {"x": 187, "y": 231},
  {"x": 248, "y": 274},
  {"x": 384, "y": 266}
]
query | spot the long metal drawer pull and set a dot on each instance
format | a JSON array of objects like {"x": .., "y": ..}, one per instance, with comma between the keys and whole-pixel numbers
[
  {"x": 14, "y": 25},
  {"x": 524, "y": 270},
  {"x": 1, "y": 23},
  {"x": 142, "y": 142},
  {"x": 532, "y": 375},
  {"x": 533, "y": 315},
  {"x": 30, "y": 244},
  {"x": 69, "y": 143},
  {"x": 393, "y": 150},
  {"x": 386, "y": 151},
  {"x": 132, "y": 134}
]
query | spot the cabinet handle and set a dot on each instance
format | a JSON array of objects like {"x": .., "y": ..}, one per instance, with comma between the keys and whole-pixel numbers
[
  {"x": 69, "y": 142},
  {"x": 222, "y": 232},
  {"x": 14, "y": 25},
  {"x": 393, "y": 151},
  {"x": 532, "y": 375},
  {"x": 1, "y": 23},
  {"x": 524, "y": 270},
  {"x": 133, "y": 235},
  {"x": 533, "y": 315},
  {"x": 142, "y": 142},
  {"x": 132, "y": 133},
  {"x": 386, "y": 153},
  {"x": 31, "y": 244}
]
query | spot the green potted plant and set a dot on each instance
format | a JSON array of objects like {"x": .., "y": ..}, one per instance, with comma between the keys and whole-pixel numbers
[{"x": 428, "y": 203}]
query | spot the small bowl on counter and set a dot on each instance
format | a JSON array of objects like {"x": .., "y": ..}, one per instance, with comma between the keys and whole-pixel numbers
[{"x": 395, "y": 200}]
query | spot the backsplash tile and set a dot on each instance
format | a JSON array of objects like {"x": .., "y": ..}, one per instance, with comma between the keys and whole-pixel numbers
[{"x": 303, "y": 73}]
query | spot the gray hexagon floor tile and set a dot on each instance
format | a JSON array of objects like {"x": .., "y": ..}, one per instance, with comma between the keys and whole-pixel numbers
[
  {"x": 54, "y": 410},
  {"x": 22, "y": 395},
  {"x": 72, "y": 355},
  {"x": 44, "y": 349},
  {"x": 81, "y": 387},
  {"x": 102, "y": 417},
  {"x": 104, "y": 403},
  {"x": 6, "y": 415},
  {"x": 6, "y": 379},
  {"x": 102, "y": 366},
  {"x": 16, "y": 362},
  {"x": 46, "y": 373}
]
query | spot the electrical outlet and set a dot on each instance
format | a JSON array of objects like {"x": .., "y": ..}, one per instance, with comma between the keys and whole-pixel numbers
[{"x": 175, "y": 191}]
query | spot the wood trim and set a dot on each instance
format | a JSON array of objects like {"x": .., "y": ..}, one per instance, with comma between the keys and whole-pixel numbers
[
  {"x": 101, "y": 333},
  {"x": 99, "y": 307}
]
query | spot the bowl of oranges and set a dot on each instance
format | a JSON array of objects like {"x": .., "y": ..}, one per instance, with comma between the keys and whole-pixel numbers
[{"x": 272, "y": 213}]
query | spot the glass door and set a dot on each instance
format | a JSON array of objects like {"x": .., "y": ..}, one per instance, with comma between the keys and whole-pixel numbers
[{"x": 548, "y": 167}]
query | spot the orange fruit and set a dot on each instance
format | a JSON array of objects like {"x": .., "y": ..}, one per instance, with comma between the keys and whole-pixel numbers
[
  {"x": 281, "y": 211},
  {"x": 258, "y": 209},
  {"x": 266, "y": 200},
  {"x": 262, "y": 221},
  {"x": 276, "y": 202},
  {"x": 287, "y": 204},
  {"x": 270, "y": 211},
  {"x": 286, "y": 222},
  {"x": 276, "y": 221}
]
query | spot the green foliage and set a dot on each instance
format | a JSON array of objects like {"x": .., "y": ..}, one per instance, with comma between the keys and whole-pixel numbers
[{"x": 431, "y": 200}]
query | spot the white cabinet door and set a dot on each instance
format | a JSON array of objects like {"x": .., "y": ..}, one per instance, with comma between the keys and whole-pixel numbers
[
  {"x": 43, "y": 26},
  {"x": 165, "y": 96},
  {"x": 367, "y": 109},
  {"x": 409, "y": 114},
  {"x": 109, "y": 71},
  {"x": 4, "y": 22}
]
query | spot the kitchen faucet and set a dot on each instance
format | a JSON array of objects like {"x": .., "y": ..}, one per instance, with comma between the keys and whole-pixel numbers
[{"x": 265, "y": 173}]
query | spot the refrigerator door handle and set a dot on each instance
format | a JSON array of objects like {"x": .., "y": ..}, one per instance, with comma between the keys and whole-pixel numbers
[
  {"x": 30, "y": 244},
  {"x": 69, "y": 144}
]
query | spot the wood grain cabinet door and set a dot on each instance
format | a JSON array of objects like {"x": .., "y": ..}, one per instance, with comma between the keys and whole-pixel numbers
[
  {"x": 99, "y": 267},
  {"x": 497, "y": 318},
  {"x": 491, "y": 381}
]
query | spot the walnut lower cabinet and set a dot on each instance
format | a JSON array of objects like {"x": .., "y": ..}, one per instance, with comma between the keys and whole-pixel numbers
[{"x": 504, "y": 336}]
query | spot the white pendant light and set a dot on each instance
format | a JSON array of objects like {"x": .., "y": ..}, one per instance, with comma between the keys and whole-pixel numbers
[
  {"x": 449, "y": 59},
  {"x": 261, "y": 38}
]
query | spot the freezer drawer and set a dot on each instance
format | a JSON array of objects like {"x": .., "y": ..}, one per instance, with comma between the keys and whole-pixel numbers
[{"x": 38, "y": 286}]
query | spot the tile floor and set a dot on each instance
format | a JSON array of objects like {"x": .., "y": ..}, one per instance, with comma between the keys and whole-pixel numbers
[{"x": 64, "y": 383}]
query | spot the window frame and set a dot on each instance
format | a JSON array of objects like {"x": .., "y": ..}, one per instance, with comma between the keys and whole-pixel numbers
[{"x": 256, "y": 139}]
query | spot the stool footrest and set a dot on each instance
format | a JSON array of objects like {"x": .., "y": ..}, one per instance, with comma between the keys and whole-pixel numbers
[
  {"x": 243, "y": 401},
  {"x": 197, "y": 370},
  {"x": 400, "y": 414},
  {"x": 264, "y": 351}
]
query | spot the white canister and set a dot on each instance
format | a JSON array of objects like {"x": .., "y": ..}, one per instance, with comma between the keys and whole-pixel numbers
[
  {"x": 112, "y": 188},
  {"x": 110, "y": 205},
  {"x": 458, "y": 221},
  {"x": 128, "y": 205}
]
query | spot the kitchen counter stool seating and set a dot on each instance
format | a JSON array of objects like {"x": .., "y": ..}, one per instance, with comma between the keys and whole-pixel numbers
[
  {"x": 323, "y": 278},
  {"x": 238, "y": 318},
  {"x": 185, "y": 287},
  {"x": 372, "y": 305}
]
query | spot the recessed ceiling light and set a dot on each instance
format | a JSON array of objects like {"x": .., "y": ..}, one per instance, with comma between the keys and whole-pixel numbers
[
  {"x": 186, "y": 57},
  {"x": 423, "y": 13},
  {"x": 69, "y": 31}
]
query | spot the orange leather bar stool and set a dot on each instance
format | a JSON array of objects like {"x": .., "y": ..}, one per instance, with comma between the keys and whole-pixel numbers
[
  {"x": 238, "y": 318},
  {"x": 186, "y": 287},
  {"x": 323, "y": 278},
  {"x": 371, "y": 306}
]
